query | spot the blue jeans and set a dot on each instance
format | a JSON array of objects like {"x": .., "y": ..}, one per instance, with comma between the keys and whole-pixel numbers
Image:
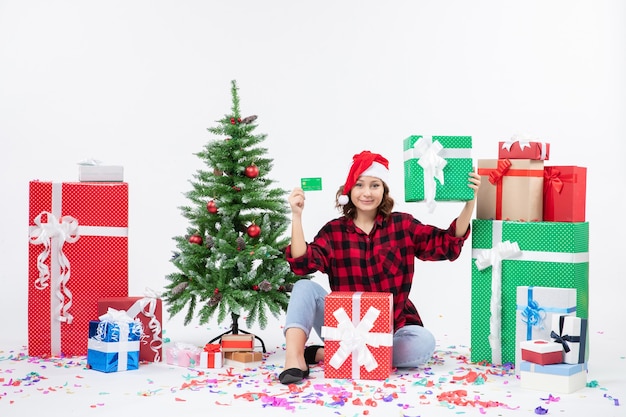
[{"x": 413, "y": 345}]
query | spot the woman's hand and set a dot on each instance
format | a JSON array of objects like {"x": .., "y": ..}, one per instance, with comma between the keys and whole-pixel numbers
[{"x": 296, "y": 200}]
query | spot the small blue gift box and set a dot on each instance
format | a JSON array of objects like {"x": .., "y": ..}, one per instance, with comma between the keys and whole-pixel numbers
[{"x": 113, "y": 345}]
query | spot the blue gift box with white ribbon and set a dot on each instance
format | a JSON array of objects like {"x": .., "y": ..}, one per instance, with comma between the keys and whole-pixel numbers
[{"x": 113, "y": 344}]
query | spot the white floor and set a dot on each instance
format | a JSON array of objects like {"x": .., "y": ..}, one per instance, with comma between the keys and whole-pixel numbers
[{"x": 64, "y": 387}]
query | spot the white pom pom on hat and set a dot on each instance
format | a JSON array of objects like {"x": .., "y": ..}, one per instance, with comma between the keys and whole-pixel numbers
[{"x": 366, "y": 164}]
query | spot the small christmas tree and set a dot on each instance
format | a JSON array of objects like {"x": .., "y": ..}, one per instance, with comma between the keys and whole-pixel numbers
[{"x": 232, "y": 258}]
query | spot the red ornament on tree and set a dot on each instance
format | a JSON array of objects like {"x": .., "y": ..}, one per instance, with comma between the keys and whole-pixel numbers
[
  {"x": 255, "y": 287},
  {"x": 211, "y": 207},
  {"x": 253, "y": 230},
  {"x": 252, "y": 171},
  {"x": 195, "y": 239}
]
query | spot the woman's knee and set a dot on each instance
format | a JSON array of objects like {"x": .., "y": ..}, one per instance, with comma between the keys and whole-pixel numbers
[{"x": 413, "y": 346}]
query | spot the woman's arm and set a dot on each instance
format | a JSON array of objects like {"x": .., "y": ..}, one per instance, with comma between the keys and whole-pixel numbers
[
  {"x": 298, "y": 244},
  {"x": 463, "y": 221}
]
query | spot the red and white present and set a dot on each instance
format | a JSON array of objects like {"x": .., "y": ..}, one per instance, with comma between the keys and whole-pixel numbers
[
  {"x": 564, "y": 193},
  {"x": 542, "y": 352},
  {"x": 149, "y": 310},
  {"x": 523, "y": 148},
  {"x": 78, "y": 254},
  {"x": 358, "y": 335},
  {"x": 211, "y": 356}
]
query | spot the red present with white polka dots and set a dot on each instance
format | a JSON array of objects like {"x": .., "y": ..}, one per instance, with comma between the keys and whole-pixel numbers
[
  {"x": 78, "y": 254},
  {"x": 358, "y": 335}
]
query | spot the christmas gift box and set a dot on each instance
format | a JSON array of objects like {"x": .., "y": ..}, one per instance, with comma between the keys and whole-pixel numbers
[
  {"x": 358, "y": 335},
  {"x": 149, "y": 310},
  {"x": 523, "y": 148},
  {"x": 561, "y": 378},
  {"x": 243, "y": 359},
  {"x": 237, "y": 342},
  {"x": 535, "y": 308},
  {"x": 571, "y": 334},
  {"x": 510, "y": 189},
  {"x": 183, "y": 354},
  {"x": 437, "y": 168},
  {"x": 564, "y": 193},
  {"x": 113, "y": 343},
  {"x": 80, "y": 228},
  {"x": 211, "y": 356},
  {"x": 542, "y": 352},
  {"x": 507, "y": 255},
  {"x": 100, "y": 173}
]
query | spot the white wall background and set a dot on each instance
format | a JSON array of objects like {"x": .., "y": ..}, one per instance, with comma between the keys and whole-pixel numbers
[{"x": 138, "y": 82}]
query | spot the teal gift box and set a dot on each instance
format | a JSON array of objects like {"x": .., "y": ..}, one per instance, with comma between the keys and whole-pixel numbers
[
  {"x": 113, "y": 346},
  {"x": 437, "y": 168},
  {"x": 509, "y": 254}
]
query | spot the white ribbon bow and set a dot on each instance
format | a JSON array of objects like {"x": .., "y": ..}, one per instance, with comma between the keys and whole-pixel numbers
[
  {"x": 493, "y": 257},
  {"x": 52, "y": 234},
  {"x": 355, "y": 339},
  {"x": 139, "y": 307},
  {"x": 121, "y": 321},
  {"x": 432, "y": 163}
]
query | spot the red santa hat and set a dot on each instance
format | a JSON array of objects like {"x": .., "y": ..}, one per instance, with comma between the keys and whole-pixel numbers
[{"x": 366, "y": 164}]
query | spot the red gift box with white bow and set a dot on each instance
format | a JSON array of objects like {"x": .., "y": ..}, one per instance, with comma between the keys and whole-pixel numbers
[
  {"x": 78, "y": 254},
  {"x": 358, "y": 335}
]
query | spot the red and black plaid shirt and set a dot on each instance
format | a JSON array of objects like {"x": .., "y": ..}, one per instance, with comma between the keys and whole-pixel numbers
[{"x": 382, "y": 261}]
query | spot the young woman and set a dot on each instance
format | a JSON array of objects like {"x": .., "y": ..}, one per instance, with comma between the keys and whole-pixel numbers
[{"x": 368, "y": 248}]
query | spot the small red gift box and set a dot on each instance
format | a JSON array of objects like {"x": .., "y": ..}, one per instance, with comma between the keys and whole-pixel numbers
[
  {"x": 358, "y": 335},
  {"x": 523, "y": 149},
  {"x": 149, "y": 310},
  {"x": 211, "y": 356},
  {"x": 511, "y": 189},
  {"x": 78, "y": 254},
  {"x": 564, "y": 193},
  {"x": 542, "y": 352},
  {"x": 237, "y": 342}
]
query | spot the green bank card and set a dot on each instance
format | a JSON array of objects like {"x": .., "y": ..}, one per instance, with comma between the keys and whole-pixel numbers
[{"x": 311, "y": 184}]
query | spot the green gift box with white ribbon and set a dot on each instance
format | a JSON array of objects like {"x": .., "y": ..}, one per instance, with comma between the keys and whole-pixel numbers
[
  {"x": 436, "y": 169},
  {"x": 509, "y": 254}
]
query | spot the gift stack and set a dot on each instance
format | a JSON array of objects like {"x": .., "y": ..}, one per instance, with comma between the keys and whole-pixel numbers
[
  {"x": 233, "y": 350},
  {"x": 530, "y": 241},
  {"x": 78, "y": 268},
  {"x": 239, "y": 351},
  {"x": 558, "y": 364}
]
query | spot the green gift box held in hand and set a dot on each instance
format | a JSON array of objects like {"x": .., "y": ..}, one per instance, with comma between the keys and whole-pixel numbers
[
  {"x": 435, "y": 169},
  {"x": 508, "y": 254}
]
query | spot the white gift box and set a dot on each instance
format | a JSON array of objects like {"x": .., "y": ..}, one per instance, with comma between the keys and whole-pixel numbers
[
  {"x": 100, "y": 173},
  {"x": 563, "y": 378},
  {"x": 571, "y": 333}
]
